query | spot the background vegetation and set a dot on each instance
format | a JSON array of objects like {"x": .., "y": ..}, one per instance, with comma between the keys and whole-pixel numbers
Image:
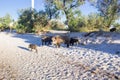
[{"x": 35, "y": 21}]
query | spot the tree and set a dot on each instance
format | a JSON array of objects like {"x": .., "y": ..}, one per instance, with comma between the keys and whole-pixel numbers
[
  {"x": 94, "y": 22},
  {"x": 40, "y": 21},
  {"x": 67, "y": 6},
  {"x": 51, "y": 9},
  {"x": 56, "y": 24},
  {"x": 26, "y": 19},
  {"x": 109, "y": 9},
  {"x": 5, "y": 21},
  {"x": 76, "y": 21}
]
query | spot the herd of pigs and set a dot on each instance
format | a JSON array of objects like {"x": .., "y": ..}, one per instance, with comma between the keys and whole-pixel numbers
[
  {"x": 59, "y": 39},
  {"x": 56, "y": 40}
]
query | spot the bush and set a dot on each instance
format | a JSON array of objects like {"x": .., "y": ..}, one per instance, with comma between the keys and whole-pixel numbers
[
  {"x": 55, "y": 25},
  {"x": 21, "y": 29},
  {"x": 1, "y": 27}
]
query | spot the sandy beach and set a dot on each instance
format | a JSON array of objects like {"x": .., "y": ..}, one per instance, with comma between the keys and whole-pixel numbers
[{"x": 93, "y": 61}]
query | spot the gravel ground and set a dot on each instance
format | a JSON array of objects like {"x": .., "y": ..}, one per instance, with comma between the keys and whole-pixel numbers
[{"x": 81, "y": 62}]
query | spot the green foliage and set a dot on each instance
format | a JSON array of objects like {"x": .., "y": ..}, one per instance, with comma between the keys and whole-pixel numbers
[
  {"x": 75, "y": 24},
  {"x": 26, "y": 18},
  {"x": 5, "y": 21},
  {"x": 75, "y": 21},
  {"x": 85, "y": 29},
  {"x": 21, "y": 29},
  {"x": 67, "y": 6},
  {"x": 109, "y": 9},
  {"x": 94, "y": 21},
  {"x": 1, "y": 27},
  {"x": 117, "y": 25},
  {"x": 32, "y": 20},
  {"x": 40, "y": 21},
  {"x": 56, "y": 25},
  {"x": 51, "y": 9}
]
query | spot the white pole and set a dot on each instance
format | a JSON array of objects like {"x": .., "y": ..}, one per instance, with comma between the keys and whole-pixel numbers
[{"x": 32, "y": 4}]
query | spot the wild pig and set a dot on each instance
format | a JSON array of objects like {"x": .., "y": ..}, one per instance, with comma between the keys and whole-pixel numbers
[
  {"x": 33, "y": 46},
  {"x": 57, "y": 40},
  {"x": 46, "y": 40},
  {"x": 74, "y": 41}
]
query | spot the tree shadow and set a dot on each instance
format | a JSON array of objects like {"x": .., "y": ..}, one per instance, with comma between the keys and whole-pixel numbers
[
  {"x": 110, "y": 48},
  {"x": 109, "y": 42},
  {"x": 29, "y": 38}
]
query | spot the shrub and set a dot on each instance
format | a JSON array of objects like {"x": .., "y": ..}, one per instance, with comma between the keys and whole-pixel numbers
[{"x": 21, "y": 29}]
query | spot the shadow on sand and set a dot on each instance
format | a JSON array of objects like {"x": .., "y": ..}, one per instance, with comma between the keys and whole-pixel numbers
[
  {"x": 29, "y": 38},
  {"x": 24, "y": 48},
  {"x": 107, "y": 48},
  {"x": 111, "y": 48}
]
